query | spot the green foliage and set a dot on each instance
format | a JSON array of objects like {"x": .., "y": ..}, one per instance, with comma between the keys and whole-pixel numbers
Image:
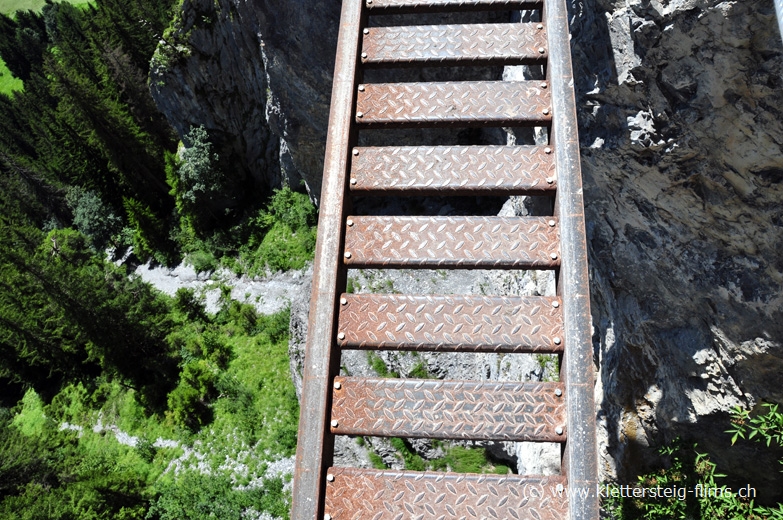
[
  {"x": 377, "y": 461},
  {"x": 62, "y": 474},
  {"x": 412, "y": 460},
  {"x": 707, "y": 498},
  {"x": 379, "y": 365},
  {"x": 11, "y": 6},
  {"x": 286, "y": 237},
  {"x": 766, "y": 427},
  {"x": 199, "y": 175},
  {"x": 549, "y": 365},
  {"x": 149, "y": 237},
  {"x": 31, "y": 419},
  {"x": 197, "y": 183},
  {"x": 66, "y": 310},
  {"x": 420, "y": 371},
  {"x": 467, "y": 460},
  {"x": 8, "y": 83},
  {"x": 189, "y": 402},
  {"x": 93, "y": 218},
  {"x": 236, "y": 365},
  {"x": 85, "y": 117},
  {"x": 197, "y": 496}
]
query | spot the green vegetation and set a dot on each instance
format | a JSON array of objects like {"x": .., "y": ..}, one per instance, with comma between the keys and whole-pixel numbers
[
  {"x": 457, "y": 459},
  {"x": 379, "y": 365},
  {"x": 8, "y": 83},
  {"x": 550, "y": 366},
  {"x": 82, "y": 141},
  {"x": 117, "y": 401},
  {"x": 420, "y": 371},
  {"x": 11, "y": 6},
  {"x": 64, "y": 459},
  {"x": 467, "y": 460},
  {"x": 688, "y": 469},
  {"x": 412, "y": 460},
  {"x": 377, "y": 461},
  {"x": 764, "y": 427}
]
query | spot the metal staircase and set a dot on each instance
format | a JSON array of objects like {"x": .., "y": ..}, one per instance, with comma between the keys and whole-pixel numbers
[{"x": 561, "y": 412}]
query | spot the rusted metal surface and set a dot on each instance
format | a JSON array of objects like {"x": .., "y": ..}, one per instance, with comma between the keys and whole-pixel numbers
[
  {"x": 430, "y": 6},
  {"x": 461, "y": 103},
  {"x": 581, "y": 455},
  {"x": 478, "y": 410},
  {"x": 360, "y": 494},
  {"x": 498, "y": 242},
  {"x": 501, "y": 44},
  {"x": 315, "y": 444},
  {"x": 443, "y": 170},
  {"x": 451, "y": 323}
]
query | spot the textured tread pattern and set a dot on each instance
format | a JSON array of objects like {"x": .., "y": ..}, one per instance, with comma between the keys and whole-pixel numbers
[
  {"x": 423, "y": 6},
  {"x": 451, "y": 323},
  {"x": 361, "y": 494},
  {"x": 463, "y": 103},
  {"x": 449, "y": 409},
  {"x": 452, "y": 242},
  {"x": 454, "y": 169},
  {"x": 502, "y": 43}
]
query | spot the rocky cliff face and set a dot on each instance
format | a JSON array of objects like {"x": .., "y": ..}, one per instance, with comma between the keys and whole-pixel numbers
[
  {"x": 680, "y": 108},
  {"x": 682, "y": 153},
  {"x": 257, "y": 75}
]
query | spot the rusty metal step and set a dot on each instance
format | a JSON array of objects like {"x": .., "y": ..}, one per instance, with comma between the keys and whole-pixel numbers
[
  {"x": 476, "y": 44},
  {"x": 464, "y": 242},
  {"x": 450, "y": 323},
  {"x": 462, "y": 410},
  {"x": 434, "y": 6},
  {"x": 432, "y": 409},
  {"x": 453, "y": 103},
  {"x": 452, "y": 170},
  {"x": 363, "y": 494}
]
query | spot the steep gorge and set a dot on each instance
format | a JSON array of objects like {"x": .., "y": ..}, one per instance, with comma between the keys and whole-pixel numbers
[{"x": 682, "y": 154}]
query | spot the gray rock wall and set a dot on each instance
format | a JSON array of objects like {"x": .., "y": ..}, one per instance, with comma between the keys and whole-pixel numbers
[
  {"x": 257, "y": 74},
  {"x": 681, "y": 106}
]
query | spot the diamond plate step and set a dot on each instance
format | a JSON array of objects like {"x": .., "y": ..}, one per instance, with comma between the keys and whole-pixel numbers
[
  {"x": 453, "y": 103},
  {"x": 499, "y": 242},
  {"x": 477, "y": 44},
  {"x": 451, "y": 323},
  {"x": 441, "y": 170},
  {"x": 449, "y": 409},
  {"x": 434, "y": 6},
  {"x": 363, "y": 494}
]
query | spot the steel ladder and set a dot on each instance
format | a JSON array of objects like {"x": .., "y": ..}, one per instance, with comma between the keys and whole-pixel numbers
[{"x": 332, "y": 404}]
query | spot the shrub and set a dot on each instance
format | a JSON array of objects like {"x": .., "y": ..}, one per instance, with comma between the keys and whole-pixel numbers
[{"x": 93, "y": 217}]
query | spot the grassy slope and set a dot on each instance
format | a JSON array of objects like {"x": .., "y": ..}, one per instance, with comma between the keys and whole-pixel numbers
[
  {"x": 8, "y": 83},
  {"x": 11, "y": 6}
]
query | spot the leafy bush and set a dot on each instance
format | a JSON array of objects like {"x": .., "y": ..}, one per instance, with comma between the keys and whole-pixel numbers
[
  {"x": 286, "y": 236},
  {"x": 766, "y": 427},
  {"x": 706, "y": 498},
  {"x": 197, "y": 496},
  {"x": 93, "y": 217}
]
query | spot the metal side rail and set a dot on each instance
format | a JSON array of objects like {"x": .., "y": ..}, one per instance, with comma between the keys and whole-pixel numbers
[{"x": 334, "y": 404}]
